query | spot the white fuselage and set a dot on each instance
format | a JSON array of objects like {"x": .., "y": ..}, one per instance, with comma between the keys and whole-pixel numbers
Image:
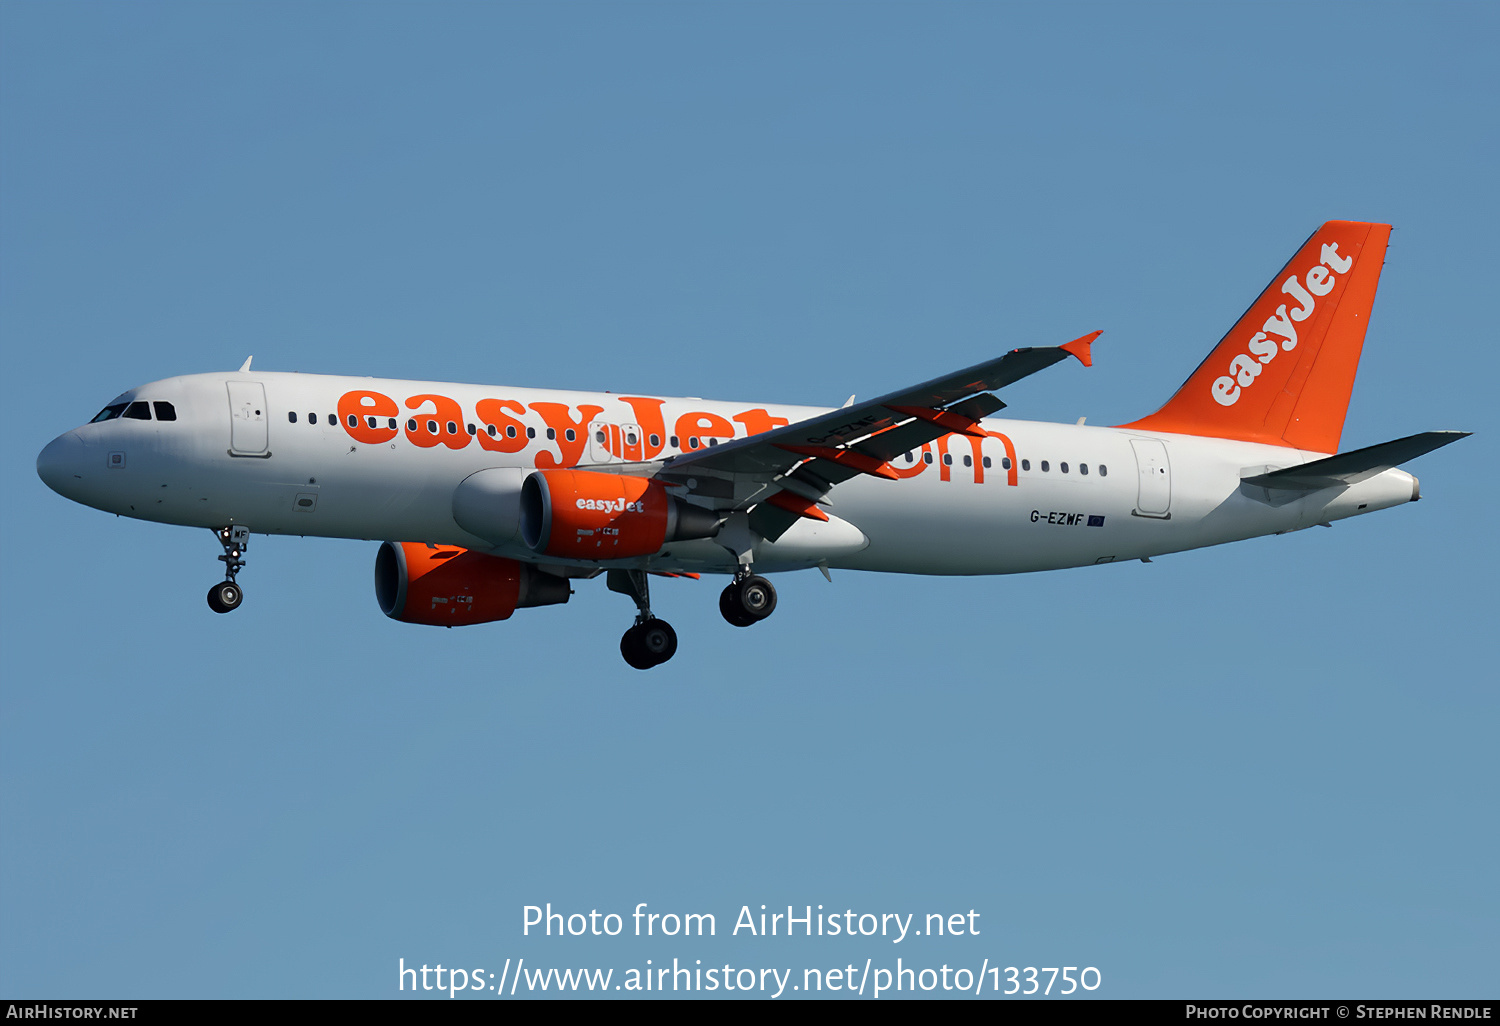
[{"x": 1030, "y": 496}]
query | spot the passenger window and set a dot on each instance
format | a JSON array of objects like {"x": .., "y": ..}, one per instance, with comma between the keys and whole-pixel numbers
[
  {"x": 531, "y": 432},
  {"x": 472, "y": 429},
  {"x": 1103, "y": 470},
  {"x": 390, "y": 422},
  {"x": 1083, "y": 468},
  {"x": 630, "y": 438},
  {"x": 372, "y": 421},
  {"x": 510, "y": 430},
  {"x": 432, "y": 427},
  {"x": 655, "y": 440},
  {"x": 551, "y": 435},
  {"x": 693, "y": 442},
  {"x": 138, "y": 411},
  {"x": 927, "y": 458},
  {"x": 599, "y": 437},
  {"x": 1025, "y": 464},
  {"x": 911, "y": 457},
  {"x": 165, "y": 411},
  {"x": 1005, "y": 462},
  {"x": 353, "y": 420},
  {"x": 713, "y": 442},
  {"x": 108, "y": 413},
  {"x": 489, "y": 429},
  {"x": 986, "y": 463},
  {"x": 968, "y": 461},
  {"x": 411, "y": 425},
  {"x": 452, "y": 428},
  {"x": 1063, "y": 467},
  {"x": 570, "y": 435},
  {"x": 332, "y": 420},
  {"x": 947, "y": 459},
  {"x": 291, "y": 416},
  {"x": 1045, "y": 467},
  {"x": 312, "y": 418},
  {"x": 673, "y": 440}
]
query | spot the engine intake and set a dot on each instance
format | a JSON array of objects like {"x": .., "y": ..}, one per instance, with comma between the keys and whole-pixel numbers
[
  {"x": 583, "y": 514},
  {"x": 447, "y": 586}
]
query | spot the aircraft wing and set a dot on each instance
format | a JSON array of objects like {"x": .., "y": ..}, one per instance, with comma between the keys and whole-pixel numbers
[{"x": 796, "y": 465}]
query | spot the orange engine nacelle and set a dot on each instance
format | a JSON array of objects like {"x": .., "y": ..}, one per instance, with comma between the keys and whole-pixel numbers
[
  {"x": 446, "y": 586},
  {"x": 583, "y": 514}
]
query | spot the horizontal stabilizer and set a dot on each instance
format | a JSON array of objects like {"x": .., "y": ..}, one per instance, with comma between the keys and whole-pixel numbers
[{"x": 1352, "y": 467}]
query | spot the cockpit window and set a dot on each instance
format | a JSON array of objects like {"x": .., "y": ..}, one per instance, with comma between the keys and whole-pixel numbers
[
  {"x": 109, "y": 412},
  {"x": 138, "y": 411},
  {"x": 165, "y": 411}
]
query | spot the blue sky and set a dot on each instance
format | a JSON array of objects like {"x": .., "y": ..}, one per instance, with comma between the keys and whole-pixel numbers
[{"x": 1262, "y": 770}]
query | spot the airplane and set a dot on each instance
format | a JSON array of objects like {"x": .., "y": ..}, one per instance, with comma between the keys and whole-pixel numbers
[{"x": 491, "y": 499}]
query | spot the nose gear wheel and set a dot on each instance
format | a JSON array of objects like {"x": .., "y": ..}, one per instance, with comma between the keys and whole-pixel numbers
[{"x": 225, "y": 597}]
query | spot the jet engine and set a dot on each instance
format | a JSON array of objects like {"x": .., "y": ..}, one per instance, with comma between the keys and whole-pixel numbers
[
  {"x": 583, "y": 514},
  {"x": 487, "y": 504},
  {"x": 446, "y": 586}
]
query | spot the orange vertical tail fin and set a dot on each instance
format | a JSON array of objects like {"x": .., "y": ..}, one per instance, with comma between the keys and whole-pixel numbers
[{"x": 1284, "y": 372}]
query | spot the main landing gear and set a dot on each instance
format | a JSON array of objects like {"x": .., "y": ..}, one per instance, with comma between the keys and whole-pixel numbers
[
  {"x": 651, "y": 641},
  {"x": 749, "y": 599},
  {"x": 226, "y": 596}
]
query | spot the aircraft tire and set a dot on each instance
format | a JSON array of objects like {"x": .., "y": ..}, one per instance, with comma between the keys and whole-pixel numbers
[
  {"x": 658, "y": 640},
  {"x": 730, "y": 608},
  {"x": 756, "y": 597},
  {"x": 225, "y": 597},
  {"x": 630, "y": 648}
]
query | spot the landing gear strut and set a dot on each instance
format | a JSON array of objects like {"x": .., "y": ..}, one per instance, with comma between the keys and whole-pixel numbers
[
  {"x": 651, "y": 641},
  {"x": 749, "y": 599},
  {"x": 226, "y": 596}
]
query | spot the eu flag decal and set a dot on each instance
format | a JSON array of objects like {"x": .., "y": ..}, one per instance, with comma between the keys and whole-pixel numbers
[{"x": 1095, "y": 521}]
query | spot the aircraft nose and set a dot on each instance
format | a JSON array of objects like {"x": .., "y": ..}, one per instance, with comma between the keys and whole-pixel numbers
[{"x": 60, "y": 464}]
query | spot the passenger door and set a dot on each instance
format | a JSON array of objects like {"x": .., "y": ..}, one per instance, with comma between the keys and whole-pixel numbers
[
  {"x": 247, "y": 419},
  {"x": 1155, "y": 473}
]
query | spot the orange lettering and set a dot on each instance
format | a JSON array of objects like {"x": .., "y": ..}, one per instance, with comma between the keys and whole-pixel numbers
[
  {"x": 445, "y": 423},
  {"x": 510, "y": 434},
  {"x": 626, "y": 443},
  {"x": 757, "y": 421},
  {"x": 702, "y": 426},
  {"x": 1010, "y": 454},
  {"x": 916, "y": 468},
  {"x": 558, "y": 417},
  {"x": 648, "y": 416},
  {"x": 357, "y": 409},
  {"x": 946, "y": 474}
]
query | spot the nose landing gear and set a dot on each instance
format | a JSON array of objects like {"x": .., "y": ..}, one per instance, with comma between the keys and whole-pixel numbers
[
  {"x": 651, "y": 641},
  {"x": 226, "y": 596},
  {"x": 748, "y": 600}
]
